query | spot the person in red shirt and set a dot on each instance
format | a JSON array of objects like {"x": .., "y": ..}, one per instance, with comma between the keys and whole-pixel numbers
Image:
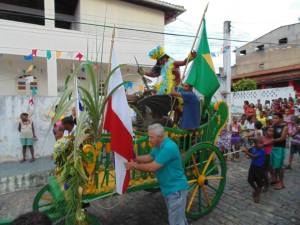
[
  {"x": 245, "y": 107},
  {"x": 251, "y": 110},
  {"x": 267, "y": 141}
]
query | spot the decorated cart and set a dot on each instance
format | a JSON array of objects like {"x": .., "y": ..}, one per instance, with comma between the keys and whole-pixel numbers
[{"x": 203, "y": 162}]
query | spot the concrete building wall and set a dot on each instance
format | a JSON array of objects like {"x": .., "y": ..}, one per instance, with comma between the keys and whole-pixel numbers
[
  {"x": 267, "y": 59},
  {"x": 11, "y": 107},
  {"x": 273, "y": 55}
]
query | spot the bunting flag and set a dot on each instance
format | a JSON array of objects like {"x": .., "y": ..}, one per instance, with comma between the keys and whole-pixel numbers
[
  {"x": 79, "y": 56},
  {"x": 58, "y": 54},
  {"x": 48, "y": 54},
  {"x": 28, "y": 57},
  {"x": 31, "y": 101},
  {"x": 34, "y": 52},
  {"x": 30, "y": 68}
]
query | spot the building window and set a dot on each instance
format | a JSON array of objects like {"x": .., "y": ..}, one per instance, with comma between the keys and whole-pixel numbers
[
  {"x": 243, "y": 52},
  {"x": 283, "y": 41},
  {"x": 65, "y": 13},
  {"x": 27, "y": 84},
  {"x": 260, "y": 48},
  {"x": 101, "y": 87},
  {"x": 23, "y": 11}
]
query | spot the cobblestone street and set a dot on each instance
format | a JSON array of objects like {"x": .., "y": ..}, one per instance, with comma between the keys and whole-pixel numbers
[{"x": 235, "y": 207}]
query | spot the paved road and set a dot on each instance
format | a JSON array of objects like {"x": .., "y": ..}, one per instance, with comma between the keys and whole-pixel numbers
[{"x": 235, "y": 208}]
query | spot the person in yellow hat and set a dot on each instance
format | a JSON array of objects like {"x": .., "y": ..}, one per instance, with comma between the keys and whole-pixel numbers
[{"x": 166, "y": 67}]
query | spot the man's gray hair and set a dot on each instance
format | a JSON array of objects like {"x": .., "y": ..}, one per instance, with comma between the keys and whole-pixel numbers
[{"x": 157, "y": 128}]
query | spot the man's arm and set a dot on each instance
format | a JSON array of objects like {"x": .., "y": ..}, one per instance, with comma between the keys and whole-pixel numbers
[
  {"x": 176, "y": 94},
  {"x": 19, "y": 127},
  {"x": 144, "y": 158},
  {"x": 147, "y": 167},
  {"x": 187, "y": 60},
  {"x": 246, "y": 151}
]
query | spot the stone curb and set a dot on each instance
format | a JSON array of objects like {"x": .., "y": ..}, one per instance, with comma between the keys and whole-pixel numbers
[{"x": 23, "y": 182}]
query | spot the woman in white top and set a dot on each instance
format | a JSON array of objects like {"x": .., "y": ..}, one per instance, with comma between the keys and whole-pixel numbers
[{"x": 27, "y": 134}]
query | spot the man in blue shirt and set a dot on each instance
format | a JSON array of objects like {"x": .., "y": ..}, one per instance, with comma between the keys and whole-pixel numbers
[
  {"x": 191, "y": 108},
  {"x": 165, "y": 161}
]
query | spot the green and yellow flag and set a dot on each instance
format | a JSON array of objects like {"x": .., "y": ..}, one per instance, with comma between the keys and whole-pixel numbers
[{"x": 202, "y": 73}]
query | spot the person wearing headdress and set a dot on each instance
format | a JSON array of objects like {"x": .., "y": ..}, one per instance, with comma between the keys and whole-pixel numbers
[{"x": 166, "y": 67}]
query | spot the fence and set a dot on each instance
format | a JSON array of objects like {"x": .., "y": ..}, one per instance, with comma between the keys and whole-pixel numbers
[{"x": 238, "y": 98}]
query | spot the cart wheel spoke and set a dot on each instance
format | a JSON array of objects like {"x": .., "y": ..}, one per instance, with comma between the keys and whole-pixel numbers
[
  {"x": 214, "y": 178},
  {"x": 206, "y": 197},
  {"x": 208, "y": 162},
  {"x": 192, "y": 198},
  {"x": 196, "y": 169}
]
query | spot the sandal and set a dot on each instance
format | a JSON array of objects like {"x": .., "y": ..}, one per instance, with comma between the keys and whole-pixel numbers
[{"x": 279, "y": 186}]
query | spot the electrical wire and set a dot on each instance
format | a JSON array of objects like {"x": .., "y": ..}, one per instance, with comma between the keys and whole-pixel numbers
[{"x": 149, "y": 31}]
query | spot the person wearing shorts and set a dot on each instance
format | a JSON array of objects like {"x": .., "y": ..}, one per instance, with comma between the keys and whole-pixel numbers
[
  {"x": 278, "y": 150},
  {"x": 295, "y": 142},
  {"x": 27, "y": 134}
]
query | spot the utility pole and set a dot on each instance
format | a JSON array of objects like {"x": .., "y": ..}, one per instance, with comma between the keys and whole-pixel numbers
[{"x": 227, "y": 64}]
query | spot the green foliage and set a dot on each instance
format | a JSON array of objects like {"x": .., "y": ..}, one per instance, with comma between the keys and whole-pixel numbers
[
  {"x": 244, "y": 85},
  {"x": 89, "y": 128}
]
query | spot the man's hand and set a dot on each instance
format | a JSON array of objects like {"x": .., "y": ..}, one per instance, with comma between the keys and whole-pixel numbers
[
  {"x": 245, "y": 150},
  {"x": 141, "y": 71},
  {"x": 130, "y": 165},
  {"x": 193, "y": 54}
]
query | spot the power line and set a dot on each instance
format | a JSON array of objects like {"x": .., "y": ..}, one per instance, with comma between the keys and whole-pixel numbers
[{"x": 149, "y": 31}]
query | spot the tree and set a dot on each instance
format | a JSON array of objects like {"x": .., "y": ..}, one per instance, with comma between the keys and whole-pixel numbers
[{"x": 244, "y": 85}]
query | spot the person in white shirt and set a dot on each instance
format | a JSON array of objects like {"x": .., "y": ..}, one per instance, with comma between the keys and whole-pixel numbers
[{"x": 69, "y": 126}]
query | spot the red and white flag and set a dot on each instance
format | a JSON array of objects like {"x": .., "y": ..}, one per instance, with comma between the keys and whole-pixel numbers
[{"x": 118, "y": 123}]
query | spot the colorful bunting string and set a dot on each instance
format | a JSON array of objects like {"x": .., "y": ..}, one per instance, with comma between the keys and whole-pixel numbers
[
  {"x": 48, "y": 54},
  {"x": 58, "y": 54},
  {"x": 34, "y": 52},
  {"x": 79, "y": 56},
  {"x": 28, "y": 57}
]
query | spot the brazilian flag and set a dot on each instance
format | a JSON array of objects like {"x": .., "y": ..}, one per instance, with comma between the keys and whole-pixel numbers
[{"x": 202, "y": 74}]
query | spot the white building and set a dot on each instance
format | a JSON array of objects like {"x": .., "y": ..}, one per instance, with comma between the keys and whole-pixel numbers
[{"x": 65, "y": 28}]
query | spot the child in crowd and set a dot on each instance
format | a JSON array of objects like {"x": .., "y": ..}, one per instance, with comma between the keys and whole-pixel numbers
[
  {"x": 262, "y": 118},
  {"x": 235, "y": 137},
  {"x": 243, "y": 130},
  {"x": 69, "y": 126},
  {"x": 278, "y": 150},
  {"x": 250, "y": 130},
  {"x": 27, "y": 134},
  {"x": 258, "y": 132},
  {"x": 223, "y": 142},
  {"x": 256, "y": 170},
  {"x": 295, "y": 141},
  {"x": 267, "y": 141},
  {"x": 59, "y": 146}
]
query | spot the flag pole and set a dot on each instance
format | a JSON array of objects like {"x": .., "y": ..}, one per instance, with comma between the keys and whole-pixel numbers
[
  {"x": 76, "y": 91},
  {"x": 196, "y": 37},
  {"x": 108, "y": 71}
]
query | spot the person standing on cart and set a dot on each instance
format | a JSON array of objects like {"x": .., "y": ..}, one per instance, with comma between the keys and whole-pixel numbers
[{"x": 165, "y": 161}]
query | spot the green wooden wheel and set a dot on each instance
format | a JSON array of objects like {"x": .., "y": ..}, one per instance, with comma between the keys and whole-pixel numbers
[
  {"x": 205, "y": 169},
  {"x": 44, "y": 202}
]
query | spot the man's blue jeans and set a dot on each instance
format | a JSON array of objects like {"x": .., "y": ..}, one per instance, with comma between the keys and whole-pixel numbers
[{"x": 176, "y": 204}]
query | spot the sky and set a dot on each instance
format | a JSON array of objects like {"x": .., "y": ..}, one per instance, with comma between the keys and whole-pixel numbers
[{"x": 249, "y": 20}]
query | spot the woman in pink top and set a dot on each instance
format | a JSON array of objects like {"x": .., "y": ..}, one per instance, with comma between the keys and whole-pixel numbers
[{"x": 267, "y": 140}]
